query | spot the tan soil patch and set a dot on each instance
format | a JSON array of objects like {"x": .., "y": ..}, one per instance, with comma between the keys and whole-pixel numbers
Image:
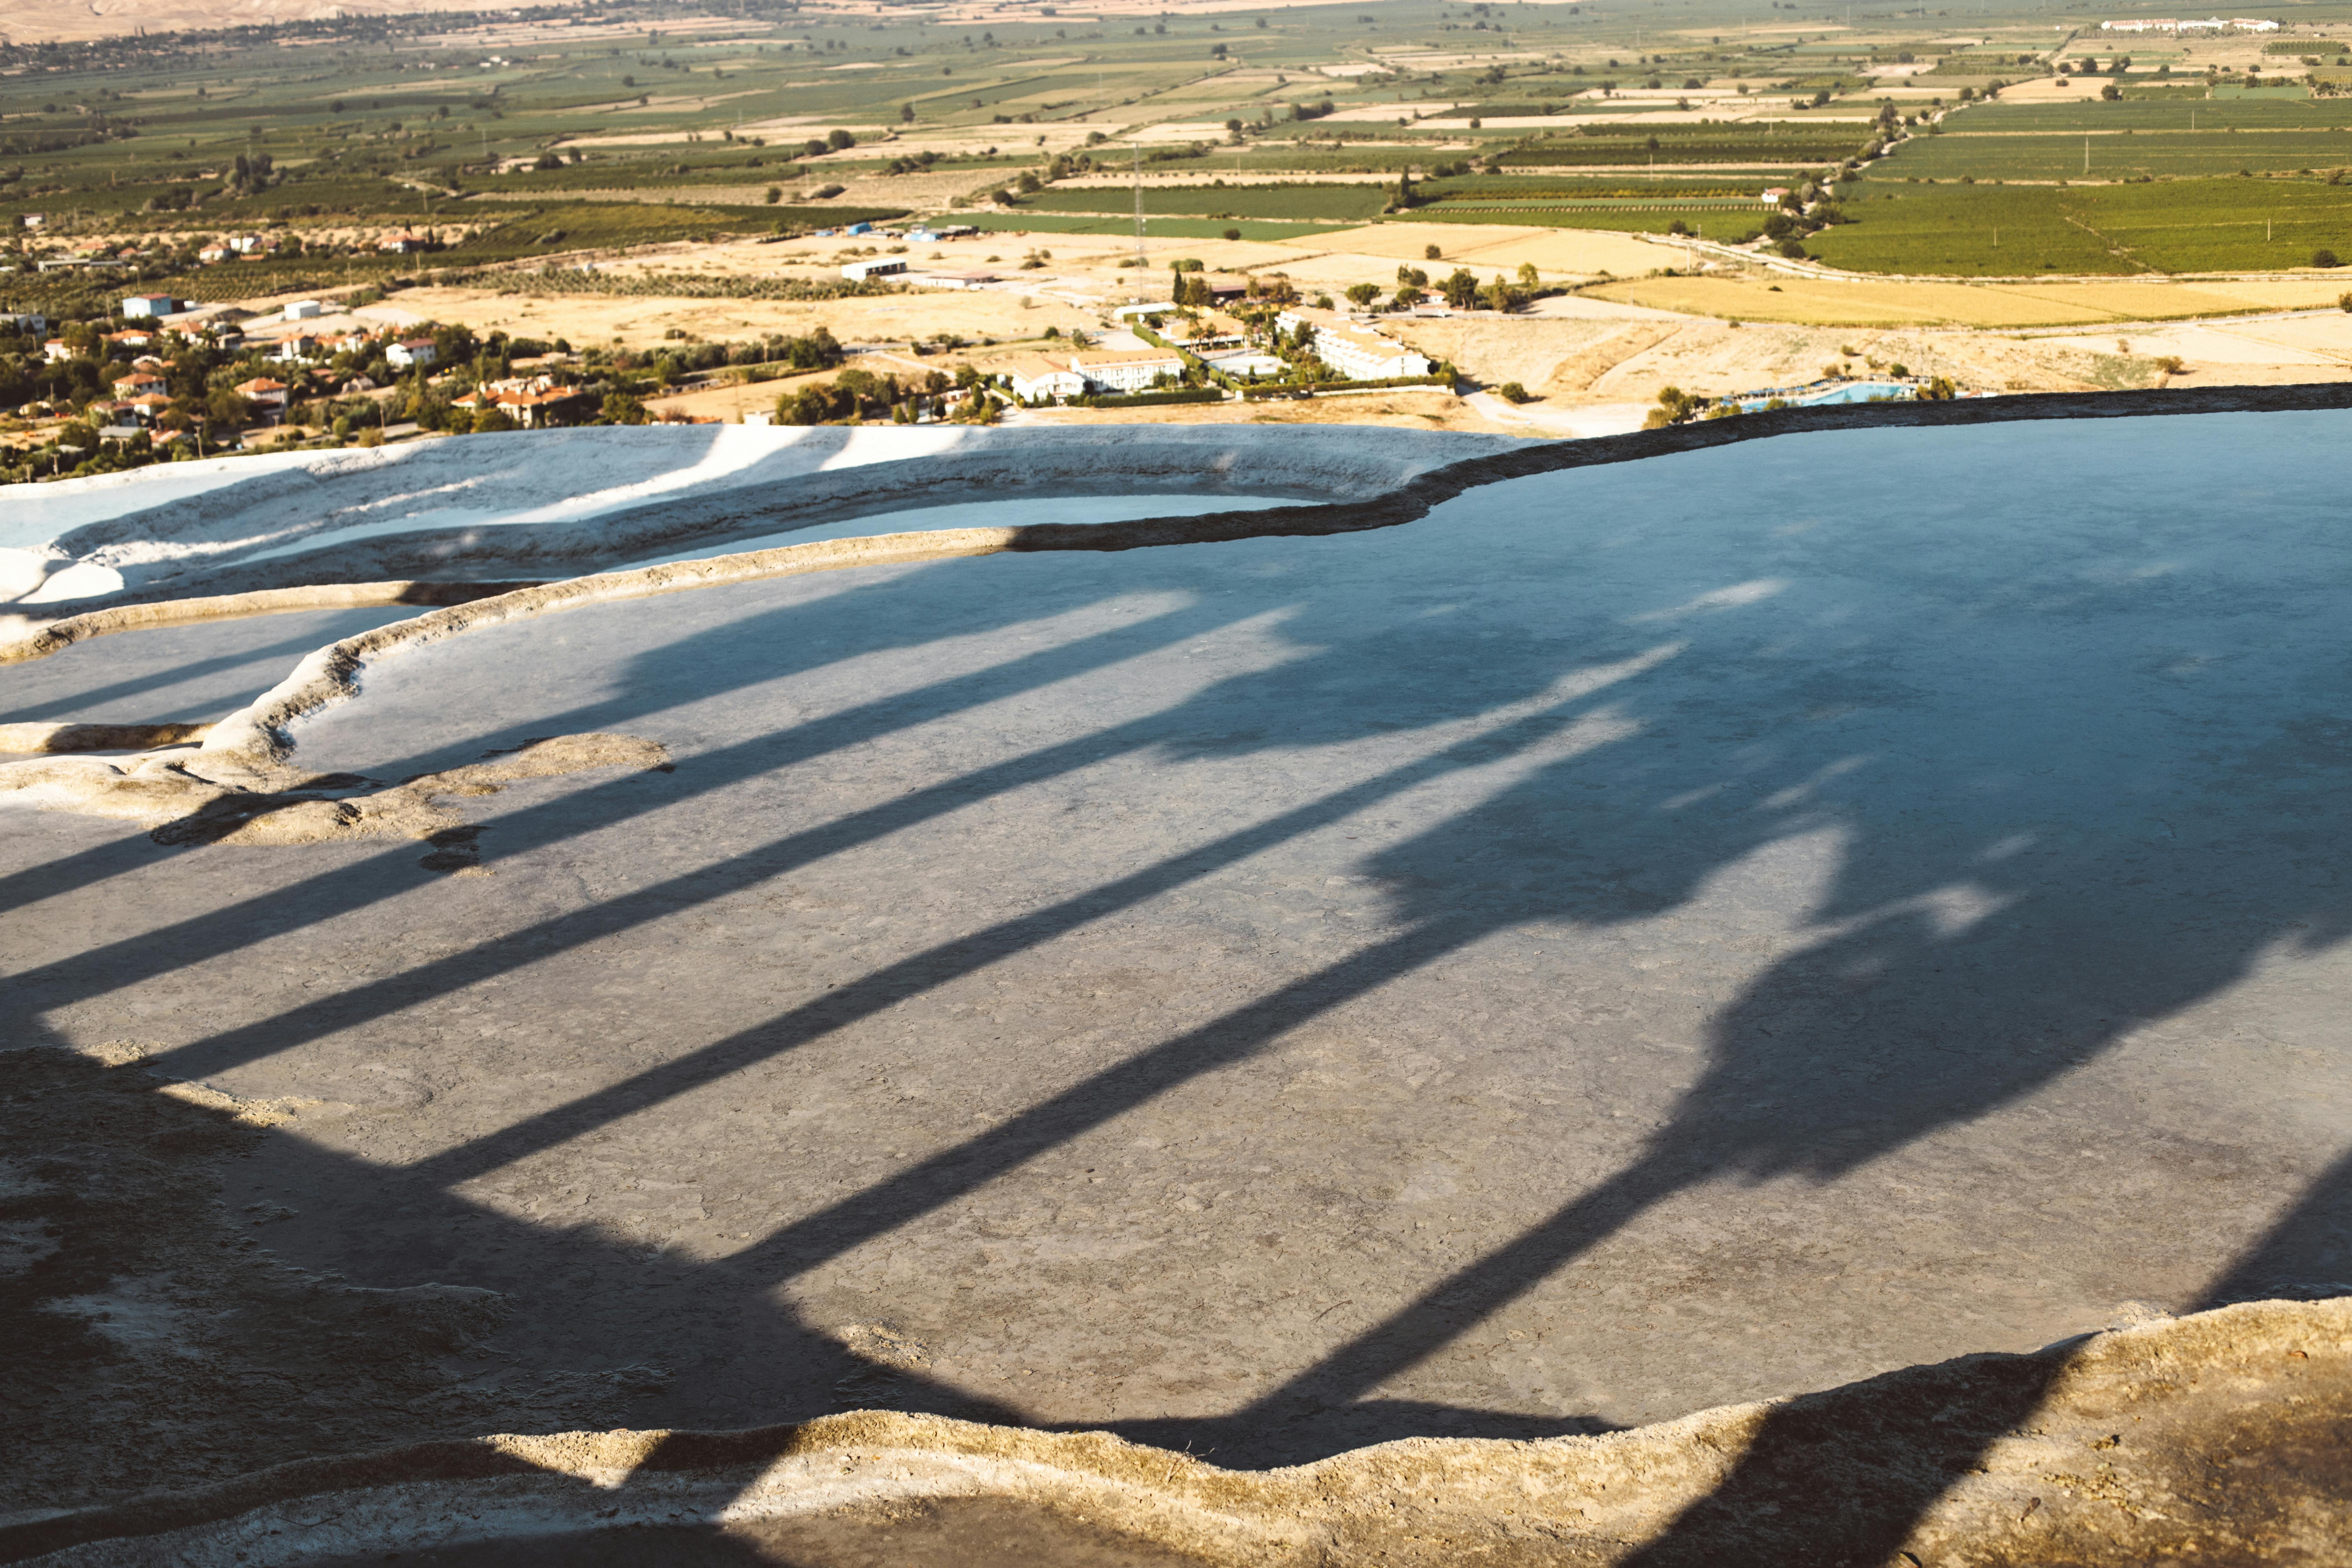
[
  {"x": 1839, "y": 302},
  {"x": 641, "y": 321}
]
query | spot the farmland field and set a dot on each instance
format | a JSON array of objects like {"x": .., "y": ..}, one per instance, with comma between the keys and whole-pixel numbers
[
  {"x": 1031, "y": 221},
  {"x": 1348, "y": 203},
  {"x": 2120, "y": 154},
  {"x": 2174, "y": 226},
  {"x": 2201, "y": 113}
]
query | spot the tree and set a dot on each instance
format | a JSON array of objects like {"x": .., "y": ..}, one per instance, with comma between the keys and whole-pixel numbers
[
  {"x": 1528, "y": 275},
  {"x": 1512, "y": 392},
  {"x": 620, "y": 408},
  {"x": 839, "y": 140},
  {"x": 1361, "y": 295},
  {"x": 1460, "y": 288},
  {"x": 1432, "y": 253},
  {"x": 775, "y": 195},
  {"x": 906, "y": 115},
  {"x": 489, "y": 420},
  {"x": 2324, "y": 259}
]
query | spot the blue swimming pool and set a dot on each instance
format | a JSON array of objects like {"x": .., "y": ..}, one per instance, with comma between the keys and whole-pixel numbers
[{"x": 1847, "y": 392}]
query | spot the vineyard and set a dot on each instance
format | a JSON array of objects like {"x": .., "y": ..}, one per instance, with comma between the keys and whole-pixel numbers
[{"x": 2175, "y": 226}]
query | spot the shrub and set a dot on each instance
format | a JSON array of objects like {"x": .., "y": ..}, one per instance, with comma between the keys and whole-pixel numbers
[
  {"x": 1232, "y": 234},
  {"x": 1512, "y": 392},
  {"x": 2324, "y": 259}
]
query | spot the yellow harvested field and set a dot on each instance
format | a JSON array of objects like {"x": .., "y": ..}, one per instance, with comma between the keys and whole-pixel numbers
[
  {"x": 1883, "y": 303},
  {"x": 1410, "y": 241},
  {"x": 642, "y": 320},
  {"x": 1583, "y": 252},
  {"x": 1374, "y": 251}
]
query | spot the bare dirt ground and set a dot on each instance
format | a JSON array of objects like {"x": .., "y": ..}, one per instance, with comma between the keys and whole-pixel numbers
[{"x": 640, "y": 320}]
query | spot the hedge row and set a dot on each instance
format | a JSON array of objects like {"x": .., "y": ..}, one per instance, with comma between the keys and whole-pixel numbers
[
  {"x": 1150, "y": 399},
  {"x": 1258, "y": 393}
]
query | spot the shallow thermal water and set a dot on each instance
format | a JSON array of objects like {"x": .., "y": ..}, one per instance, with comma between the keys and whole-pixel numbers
[
  {"x": 1641, "y": 937},
  {"x": 1023, "y": 514}
]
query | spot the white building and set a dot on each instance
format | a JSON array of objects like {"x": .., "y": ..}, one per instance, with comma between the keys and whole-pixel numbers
[
  {"x": 1356, "y": 353},
  {"x": 149, "y": 305},
  {"x": 2208, "y": 24},
  {"x": 1128, "y": 370},
  {"x": 1032, "y": 376},
  {"x": 303, "y": 310},
  {"x": 410, "y": 352},
  {"x": 875, "y": 267}
]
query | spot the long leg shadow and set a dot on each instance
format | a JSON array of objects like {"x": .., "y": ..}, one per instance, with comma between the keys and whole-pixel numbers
[
  {"x": 2306, "y": 1255},
  {"x": 349, "y": 887}
]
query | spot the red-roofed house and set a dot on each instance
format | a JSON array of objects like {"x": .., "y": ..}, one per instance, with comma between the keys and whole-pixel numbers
[{"x": 268, "y": 396}]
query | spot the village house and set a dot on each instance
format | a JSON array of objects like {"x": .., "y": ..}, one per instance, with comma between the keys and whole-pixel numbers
[
  {"x": 411, "y": 353},
  {"x": 268, "y": 398},
  {"x": 137, "y": 382},
  {"x": 532, "y": 402}
]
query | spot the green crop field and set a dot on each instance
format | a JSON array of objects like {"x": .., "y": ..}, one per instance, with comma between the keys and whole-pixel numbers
[
  {"x": 2178, "y": 226},
  {"x": 1308, "y": 203},
  {"x": 1155, "y": 228},
  {"x": 2120, "y": 156},
  {"x": 1631, "y": 146},
  {"x": 2202, "y": 114}
]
